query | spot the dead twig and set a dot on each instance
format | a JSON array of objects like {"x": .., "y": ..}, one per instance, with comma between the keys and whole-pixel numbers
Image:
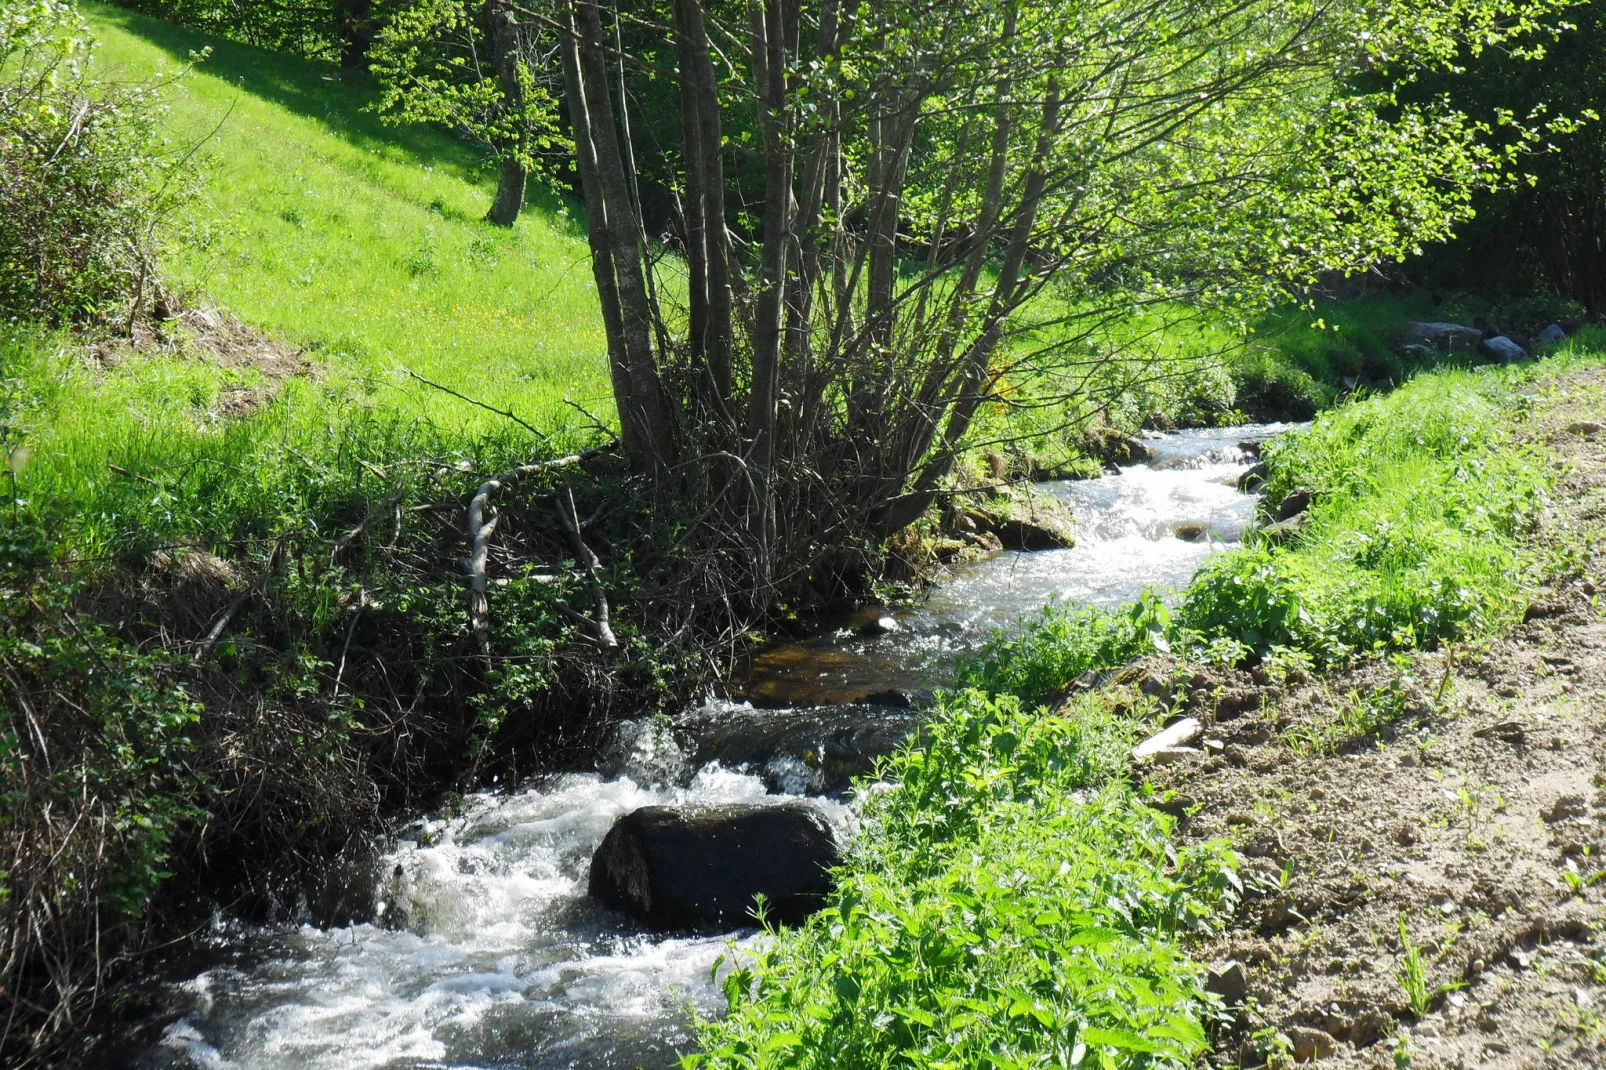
[
  {"x": 589, "y": 564},
  {"x": 537, "y": 432},
  {"x": 480, "y": 528}
]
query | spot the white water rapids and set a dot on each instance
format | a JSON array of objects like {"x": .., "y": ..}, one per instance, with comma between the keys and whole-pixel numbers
[{"x": 488, "y": 953}]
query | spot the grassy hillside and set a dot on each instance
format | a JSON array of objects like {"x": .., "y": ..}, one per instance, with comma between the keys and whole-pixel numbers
[{"x": 365, "y": 243}]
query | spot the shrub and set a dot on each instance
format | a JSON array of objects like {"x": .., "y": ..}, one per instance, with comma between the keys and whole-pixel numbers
[
  {"x": 1010, "y": 903},
  {"x": 88, "y": 178}
]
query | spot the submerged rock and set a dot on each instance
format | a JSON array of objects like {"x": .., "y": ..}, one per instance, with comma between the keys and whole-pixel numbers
[
  {"x": 677, "y": 868},
  {"x": 805, "y": 751}
]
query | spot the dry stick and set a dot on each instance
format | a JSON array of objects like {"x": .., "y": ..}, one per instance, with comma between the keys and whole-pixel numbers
[
  {"x": 480, "y": 404},
  {"x": 216, "y": 632},
  {"x": 480, "y": 530},
  {"x": 587, "y": 561}
]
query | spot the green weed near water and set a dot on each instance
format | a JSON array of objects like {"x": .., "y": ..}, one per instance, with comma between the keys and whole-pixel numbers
[{"x": 1009, "y": 903}]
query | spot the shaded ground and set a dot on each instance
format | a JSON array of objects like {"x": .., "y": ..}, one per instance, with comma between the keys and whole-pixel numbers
[{"x": 1463, "y": 792}]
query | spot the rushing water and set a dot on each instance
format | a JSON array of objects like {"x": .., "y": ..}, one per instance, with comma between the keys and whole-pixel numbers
[{"x": 487, "y": 952}]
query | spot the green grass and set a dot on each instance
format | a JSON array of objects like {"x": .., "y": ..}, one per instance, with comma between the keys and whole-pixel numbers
[
  {"x": 1010, "y": 903},
  {"x": 364, "y": 243}
]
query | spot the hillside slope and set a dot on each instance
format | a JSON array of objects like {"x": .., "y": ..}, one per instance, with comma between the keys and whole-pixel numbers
[{"x": 362, "y": 242}]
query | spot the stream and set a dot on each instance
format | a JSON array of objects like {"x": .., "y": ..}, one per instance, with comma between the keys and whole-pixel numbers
[{"x": 487, "y": 952}]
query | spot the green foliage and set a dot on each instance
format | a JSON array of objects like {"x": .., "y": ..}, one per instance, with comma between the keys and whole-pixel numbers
[
  {"x": 1413, "y": 976},
  {"x": 88, "y": 176},
  {"x": 316, "y": 29},
  {"x": 1008, "y": 903},
  {"x": 1038, "y": 661},
  {"x": 436, "y": 63}
]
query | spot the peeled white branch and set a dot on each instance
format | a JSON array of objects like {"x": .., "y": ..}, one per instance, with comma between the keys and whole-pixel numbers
[{"x": 480, "y": 530}]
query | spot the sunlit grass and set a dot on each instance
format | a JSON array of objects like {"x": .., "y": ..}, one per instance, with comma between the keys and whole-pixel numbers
[{"x": 364, "y": 243}]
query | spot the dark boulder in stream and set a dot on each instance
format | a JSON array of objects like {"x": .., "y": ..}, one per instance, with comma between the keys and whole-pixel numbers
[{"x": 701, "y": 869}]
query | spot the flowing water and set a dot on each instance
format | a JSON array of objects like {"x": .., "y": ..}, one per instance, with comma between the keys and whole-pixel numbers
[{"x": 485, "y": 950}]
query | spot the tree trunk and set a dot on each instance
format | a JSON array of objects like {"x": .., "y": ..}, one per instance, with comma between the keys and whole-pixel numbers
[
  {"x": 356, "y": 32},
  {"x": 509, "y": 194},
  {"x": 505, "y": 48},
  {"x": 647, "y": 427}
]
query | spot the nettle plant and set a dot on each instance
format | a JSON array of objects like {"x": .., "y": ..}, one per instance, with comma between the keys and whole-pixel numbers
[{"x": 960, "y": 199}]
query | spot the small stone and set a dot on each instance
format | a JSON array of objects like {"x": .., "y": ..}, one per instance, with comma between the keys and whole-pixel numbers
[
  {"x": 1370, "y": 1026},
  {"x": 1229, "y": 982},
  {"x": 1582, "y": 998},
  {"x": 1296, "y": 502},
  {"x": 1171, "y": 755},
  {"x": 1310, "y": 1043},
  {"x": 1567, "y": 808},
  {"x": 881, "y": 626},
  {"x": 1406, "y": 835},
  {"x": 1426, "y": 1029},
  {"x": 1214, "y": 745},
  {"x": 1521, "y": 958},
  {"x": 1188, "y": 532}
]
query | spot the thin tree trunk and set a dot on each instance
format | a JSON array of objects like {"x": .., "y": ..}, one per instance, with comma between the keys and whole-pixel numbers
[
  {"x": 504, "y": 35},
  {"x": 631, "y": 434},
  {"x": 644, "y": 403},
  {"x": 774, "y": 25},
  {"x": 509, "y": 200},
  {"x": 705, "y": 185}
]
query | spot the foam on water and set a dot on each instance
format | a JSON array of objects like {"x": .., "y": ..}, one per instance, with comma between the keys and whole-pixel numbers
[{"x": 496, "y": 956}]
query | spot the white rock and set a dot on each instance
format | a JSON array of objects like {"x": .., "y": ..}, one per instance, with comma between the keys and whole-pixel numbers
[{"x": 1172, "y": 737}]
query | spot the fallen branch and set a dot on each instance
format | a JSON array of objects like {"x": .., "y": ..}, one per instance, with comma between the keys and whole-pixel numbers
[
  {"x": 216, "y": 632},
  {"x": 480, "y": 530},
  {"x": 480, "y": 404},
  {"x": 587, "y": 561}
]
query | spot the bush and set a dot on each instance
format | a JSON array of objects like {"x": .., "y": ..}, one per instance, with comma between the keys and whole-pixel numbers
[
  {"x": 88, "y": 178},
  {"x": 1010, "y": 903}
]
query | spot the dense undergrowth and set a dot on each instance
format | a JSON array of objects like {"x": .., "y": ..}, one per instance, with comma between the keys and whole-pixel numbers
[{"x": 1011, "y": 901}]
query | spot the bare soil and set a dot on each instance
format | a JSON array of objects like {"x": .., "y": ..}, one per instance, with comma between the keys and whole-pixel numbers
[
  {"x": 1463, "y": 792},
  {"x": 219, "y": 338}
]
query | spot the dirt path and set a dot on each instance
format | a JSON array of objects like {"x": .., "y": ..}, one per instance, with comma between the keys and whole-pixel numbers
[{"x": 1476, "y": 812}]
